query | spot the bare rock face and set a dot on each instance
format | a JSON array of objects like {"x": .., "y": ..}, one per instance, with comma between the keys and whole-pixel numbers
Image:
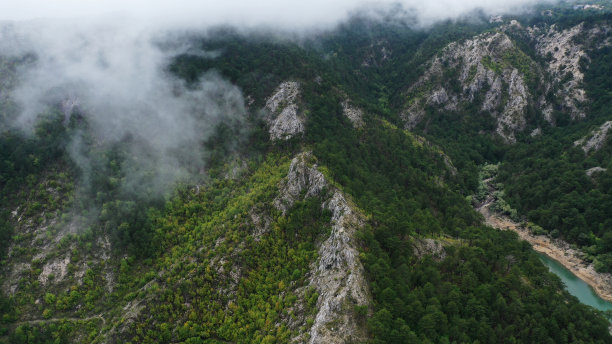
[
  {"x": 354, "y": 114},
  {"x": 338, "y": 275},
  {"x": 563, "y": 50},
  {"x": 285, "y": 94},
  {"x": 480, "y": 69},
  {"x": 303, "y": 181},
  {"x": 491, "y": 70},
  {"x": 56, "y": 268},
  {"x": 285, "y": 120},
  {"x": 287, "y": 124},
  {"x": 596, "y": 139},
  {"x": 339, "y": 278},
  {"x": 594, "y": 170},
  {"x": 512, "y": 118},
  {"x": 536, "y": 132},
  {"x": 563, "y": 66}
]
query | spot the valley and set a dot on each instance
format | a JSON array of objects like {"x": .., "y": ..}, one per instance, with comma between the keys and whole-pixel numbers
[
  {"x": 387, "y": 177},
  {"x": 555, "y": 249}
]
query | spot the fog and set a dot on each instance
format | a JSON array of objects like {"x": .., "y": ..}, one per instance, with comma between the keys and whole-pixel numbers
[
  {"x": 102, "y": 59},
  {"x": 287, "y": 14},
  {"x": 113, "y": 74}
]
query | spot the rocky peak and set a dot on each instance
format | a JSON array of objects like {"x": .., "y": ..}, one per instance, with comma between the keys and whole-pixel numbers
[
  {"x": 304, "y": 180},
  {"x": 479, "y": 66},
  {"x": 338, "y": 275},
  {"x": 285, "y": 120}
]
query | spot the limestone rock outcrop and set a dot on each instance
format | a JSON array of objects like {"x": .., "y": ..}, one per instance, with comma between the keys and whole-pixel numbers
[
  {"x": 338, "y": 275},
  {"x": 285, "y": 119}
]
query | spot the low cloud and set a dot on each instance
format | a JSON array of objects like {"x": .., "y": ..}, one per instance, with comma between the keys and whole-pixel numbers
[
  {"x": 113, "y": 74},
  {"x": 286, "y": 14},
  {"x": 102, "y": 59}
]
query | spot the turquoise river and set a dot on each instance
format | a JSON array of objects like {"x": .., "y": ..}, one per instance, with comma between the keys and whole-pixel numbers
[{"x": 575, "y": 285}]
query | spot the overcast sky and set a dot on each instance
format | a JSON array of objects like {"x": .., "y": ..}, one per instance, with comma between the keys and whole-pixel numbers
[{"x": 285, "y": 13}]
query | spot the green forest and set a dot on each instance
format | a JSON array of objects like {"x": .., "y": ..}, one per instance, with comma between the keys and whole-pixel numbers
[{"x": 191, "y": 266}]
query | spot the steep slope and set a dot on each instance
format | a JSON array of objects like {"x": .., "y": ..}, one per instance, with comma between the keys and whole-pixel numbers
[
  {"x": 492, "y": 74},
  {"x": 329, "y": 221},
  {"x": 224, "y": 257},
  {"x": 338, "y": 276},
  {"x": 326, "y": 288},
  {"x": 596, "y": 139},
  {"x": 563, "y": 54},
  {"x": 483, "y": 70},
  {"x": 560, "y": 179},
  {"x": 284, "y": 120}
]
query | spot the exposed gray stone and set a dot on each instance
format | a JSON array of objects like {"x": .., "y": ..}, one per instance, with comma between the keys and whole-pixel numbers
[
  {"x": 303, "y": 180},
  {"x": 354, "y": 114},
  {"x": 287, "y": 124},
  {"x": 566, "y": 54},
  {"x": 474, "y": 76},
  {"x": 596, "y": 139},
  {"x": 286, "y": 93},
  {"x": 593, "y": 170},
  {"x": 338, "y": 275},
  {"x": 285, "y": 120}
]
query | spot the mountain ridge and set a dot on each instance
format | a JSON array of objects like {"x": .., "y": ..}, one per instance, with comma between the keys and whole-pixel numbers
[{"x": 327, "y": 214}]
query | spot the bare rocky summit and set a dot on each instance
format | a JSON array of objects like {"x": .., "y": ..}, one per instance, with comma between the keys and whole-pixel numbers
[{"x": 285, "y": 120}]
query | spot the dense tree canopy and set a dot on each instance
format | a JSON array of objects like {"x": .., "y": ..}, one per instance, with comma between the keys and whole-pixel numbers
[{"x": 190, "y": 266}]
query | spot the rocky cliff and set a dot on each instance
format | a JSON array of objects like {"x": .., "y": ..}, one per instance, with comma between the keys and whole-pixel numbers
[
  {"x": 338, "y": 275},
  {"x": 354, "y": 114},
  {"x": 479, "y": 70},
  {"x": 491, "y": 73},
  {"x": 285, "y": 119}
]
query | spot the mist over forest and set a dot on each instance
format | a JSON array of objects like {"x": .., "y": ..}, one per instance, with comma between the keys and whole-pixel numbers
[{"x": 347, "y": 171}]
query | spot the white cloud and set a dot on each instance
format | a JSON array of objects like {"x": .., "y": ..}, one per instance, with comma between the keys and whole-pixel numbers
[
  {"x": 114, "y": 74},
  {"x": 284, "y": 13},
  {"x": 99, "y": 55}
]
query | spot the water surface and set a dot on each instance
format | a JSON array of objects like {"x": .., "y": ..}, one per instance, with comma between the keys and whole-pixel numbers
[{"x": 575, "y": 285}]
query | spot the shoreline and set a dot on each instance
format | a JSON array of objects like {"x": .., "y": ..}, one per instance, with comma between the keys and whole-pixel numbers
[{"x": 556, "y": 249}]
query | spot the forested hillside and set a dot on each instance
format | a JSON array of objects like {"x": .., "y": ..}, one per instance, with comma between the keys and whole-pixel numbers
[{"x": 333, "y": 205}]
